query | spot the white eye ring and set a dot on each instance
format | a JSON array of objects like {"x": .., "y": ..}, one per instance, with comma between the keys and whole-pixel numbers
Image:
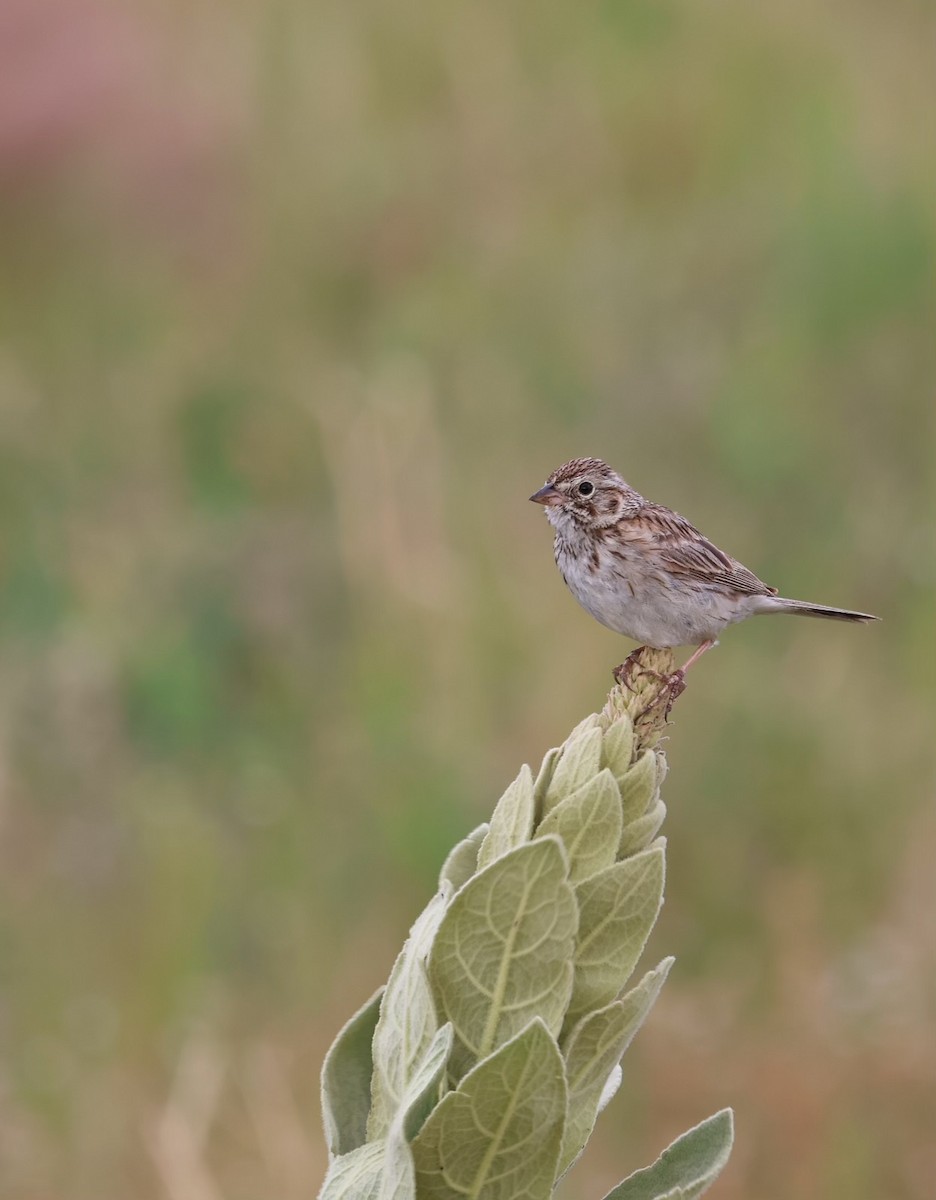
[{"x": 585, "y": 488}]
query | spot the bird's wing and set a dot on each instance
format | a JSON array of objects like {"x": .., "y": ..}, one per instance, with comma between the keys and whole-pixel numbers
[{"x": 682, "y": 550}]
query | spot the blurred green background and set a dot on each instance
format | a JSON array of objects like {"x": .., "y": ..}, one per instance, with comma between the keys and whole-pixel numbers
[{"x": 299, "y": 302}]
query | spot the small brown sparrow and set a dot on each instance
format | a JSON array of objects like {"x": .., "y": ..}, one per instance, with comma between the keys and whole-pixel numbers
[{"x": 644, "y": 571}]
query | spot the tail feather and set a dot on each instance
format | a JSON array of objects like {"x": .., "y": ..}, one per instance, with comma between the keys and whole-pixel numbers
[{"x": 805, "y": 609}]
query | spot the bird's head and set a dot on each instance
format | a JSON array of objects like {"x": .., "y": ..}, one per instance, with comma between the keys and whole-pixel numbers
[{"x": 585, "y": 492}]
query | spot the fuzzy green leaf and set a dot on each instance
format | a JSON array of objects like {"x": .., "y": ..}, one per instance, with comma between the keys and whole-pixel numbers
[
  {"x": 498, "y": 1136},
  {"x": 503, "y": 951},
  {"x": 462, "y": 861},
  {"x": 687, "y": 1167},
  {"x": 592, "y": 721},
  {"x": 593, "y": 1049},
  {"x": 398, "y": 1171},
  {"x": 544, "y": 779},
  {"x": 589, "y": 824},
  {"x": 617, "y": 910},
  {"x": 407, "y": 1019},
  {"x": 641, "y": 832},
  {"x": 638, "y": 787},
  {"x": 398, "y": 1181},
  {"x": 383, "y": 1168},
  {"x": 421, "y": 1091},
  {"x": 617, "y": 746},
  {"x": 346, "y": 1080},
  {"x": 512, "y": 822},
  {"x": 357, "y": 1175},
  {"x": 580, "y": 761}
]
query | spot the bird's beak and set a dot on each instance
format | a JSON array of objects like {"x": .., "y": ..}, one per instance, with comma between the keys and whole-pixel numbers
[{"x": 547, "y": 495}]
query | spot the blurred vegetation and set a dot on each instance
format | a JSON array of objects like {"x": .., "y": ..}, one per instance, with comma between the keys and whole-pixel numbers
[{"x": 299, "y": 302}]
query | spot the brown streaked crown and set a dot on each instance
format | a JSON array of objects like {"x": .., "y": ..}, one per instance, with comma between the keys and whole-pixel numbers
[{"x": 581, "y": 466}]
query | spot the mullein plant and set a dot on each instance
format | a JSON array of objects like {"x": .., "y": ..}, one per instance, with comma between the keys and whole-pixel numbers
[{"x": 480, "y": 1068}]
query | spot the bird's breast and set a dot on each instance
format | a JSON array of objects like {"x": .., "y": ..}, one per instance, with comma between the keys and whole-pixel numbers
[{"x": 625, "y": 592}]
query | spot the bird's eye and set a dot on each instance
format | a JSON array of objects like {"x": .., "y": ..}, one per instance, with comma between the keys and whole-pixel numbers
[{"x": 585, "y": 488}]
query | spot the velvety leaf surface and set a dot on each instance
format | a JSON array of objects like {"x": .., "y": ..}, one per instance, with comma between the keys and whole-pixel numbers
[
  {"x": 407, "y": 1021},
  {"x": 592, "y": 1051},
  {"x": 462, "y": 862},
  {"x": 589, "y": 824},
  {"x": 346, "y": 1080},
  {"x": 579, "y": 762},
  {"x": 398, "y": 1171},
  {"x": 638, "y": 786},
  {"x": 544, "y": 778},
  {"x": 640, "y": 833},
  {"x": 512, "y": 820},
  {"x": 398, "y": 1178},
  {"x": 617, "y": 910},
  {"x": 687, "y": 1167},
  {"x": 617, "y": 747},
  {"x": 503, "y": 953},
  {"x": 498, "y": 1136},
  {"x": 357, "y": 1175},
  {"x": 422, "y": 1089}
]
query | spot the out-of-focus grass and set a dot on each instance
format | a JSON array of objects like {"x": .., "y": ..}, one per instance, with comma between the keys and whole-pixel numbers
[{"x": 299, "y": 303}]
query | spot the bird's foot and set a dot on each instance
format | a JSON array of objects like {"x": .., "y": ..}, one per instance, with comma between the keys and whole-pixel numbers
[
  {"x": 624, "y": 674},
  {"x": 671, "y": 685},
  {"x": 674, "y": 684},
  {"x": 672, "y": 688}
]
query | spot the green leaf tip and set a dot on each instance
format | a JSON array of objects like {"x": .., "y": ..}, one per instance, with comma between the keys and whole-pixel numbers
[
  {"x": 617, "y": 745},
  {"x": 589, "y": 824},
  {"x": 687, "y": 1167},
  {"x": 462, "y": 861},
  {"x": 579, "y": 762},
  {"x": 639, "y": 834},
  {"x": 638, "y": 786},
  {"x": 346, "y": 1080},
  {"x": 512, "y": 822}
]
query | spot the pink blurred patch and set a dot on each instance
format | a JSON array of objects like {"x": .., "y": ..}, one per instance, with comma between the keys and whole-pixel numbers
[{"x": 93, "y": 95}]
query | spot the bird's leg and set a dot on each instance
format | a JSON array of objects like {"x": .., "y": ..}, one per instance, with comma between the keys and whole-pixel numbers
[
  {"x": 697, "y": 654},
  {"x": 676, "y": 683}
]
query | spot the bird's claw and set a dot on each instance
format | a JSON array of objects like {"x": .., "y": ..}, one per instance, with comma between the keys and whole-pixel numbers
[
  {"x": 624, "y": 673},
  {"x": 673, "y": 687}
]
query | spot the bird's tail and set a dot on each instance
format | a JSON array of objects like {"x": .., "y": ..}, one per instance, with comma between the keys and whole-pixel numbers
[{"x": 805, "y": 609}]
